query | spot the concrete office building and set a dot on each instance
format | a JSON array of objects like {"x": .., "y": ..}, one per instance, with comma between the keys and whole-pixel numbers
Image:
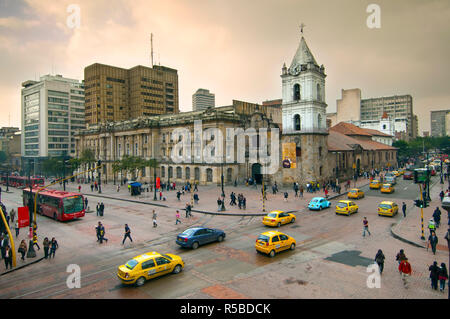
[
  {"x": 202, "y": 99},
  {"x": 52, "y": 110},
  {"x": 440, "y": 123},
  {"x": 117, "y": 94}
]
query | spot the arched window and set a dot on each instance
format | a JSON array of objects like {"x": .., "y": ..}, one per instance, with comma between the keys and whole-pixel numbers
[
  {"x": 296, "y": 92},
  {"x": 188, "y": 173},
  {"x": 319, "y": 96},
  {"x": 209, "y": 175},
  {"x": 297, "y": 122},
  {"x": 179, "y": 172},
  {"x": 229, "y": 174},
  {"x": 319, "y": 121},
  {"x": 197, "y": 173},
  {"x": 170, "y": 171},
  {"x": 163, "y": 171}
]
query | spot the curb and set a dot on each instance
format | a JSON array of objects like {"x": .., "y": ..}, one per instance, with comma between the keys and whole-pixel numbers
[{"x": 23, "y": 266}]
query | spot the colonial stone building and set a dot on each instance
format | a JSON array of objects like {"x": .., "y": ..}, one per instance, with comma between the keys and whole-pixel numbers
[{"x": 294, "y": 134}]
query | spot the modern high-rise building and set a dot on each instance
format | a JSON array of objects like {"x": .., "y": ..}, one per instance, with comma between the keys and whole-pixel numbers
[
  {"x": 440, "y": 123},
  {"x": 117, "y": 94},
  {"x": 202, "y": 99},
  {"x": 52, "y": 110}
]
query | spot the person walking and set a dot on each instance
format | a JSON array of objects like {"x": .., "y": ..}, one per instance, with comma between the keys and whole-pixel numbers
[
  {"x": 365, "y": 227},
  {"x": 434, "y": 275},
  {"x": 8, "y": 257},
  {"x": 46, "y": 244},
  {"x": 177, "y": 216},
  {"x": 92, "y": 187},
  {"x": 79, "y": 188},
  {"x": 102, "y": 234},
  {"x": 188, "y": 210},
  {"x": 301, "y": 191},
  {"x": 431, "y": 226},
  {"x": 17, "y": 228},
  {"x": 86, "y": 203},
  {"x": 127, "y": 234},
  {"x": 286, "y": 196},
  {"x": 35, "y": 241},
  {"x": 3, "y": 244},
  {"x": 97, "y": 231},
  {"x": 196, "y": 198},
  {"x": 432, "y": 241},
  {"x": 443, "y": 276},
  {"x": 12, "y": 213},
  {"x": 437, "y": 217},
  {"x": 219, "y": 203},
  {"x": 400, "y": 256},
  {"x": 102, "y": 209},
  {"x": 155, "y": 224},
  {"x": 53, "y": 247},
  {"x": 22, "y": 249},
  {"x": 404, "y": 209},
  {"x": 405, "y": 271},
  {"x": 98, "y": 209},
  {"x": 379, "y": 259}
]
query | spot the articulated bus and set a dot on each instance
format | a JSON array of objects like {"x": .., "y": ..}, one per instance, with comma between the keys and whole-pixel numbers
[
  {"x": 58, "y": 205},
  {"x": 22, "y": 181}
]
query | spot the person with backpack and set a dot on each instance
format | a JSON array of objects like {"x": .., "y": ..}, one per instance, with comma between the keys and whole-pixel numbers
[
  {"x": 400, "y": 256},
  {"x": 22, "y": 249},
  {"x": 53, "y": 247},
  {"x": 379, "y": 259},
  {"x": 127, "y": 234},
  {"x": 432, "y": 241},
  {"x": 437, "y": 217},
  {"x": 405, "y": 271}
]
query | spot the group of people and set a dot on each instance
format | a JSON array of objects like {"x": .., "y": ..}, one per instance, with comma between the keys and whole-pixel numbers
[
  {"x": 241, "y": 201},
  {"x": 100, "y": 209}
]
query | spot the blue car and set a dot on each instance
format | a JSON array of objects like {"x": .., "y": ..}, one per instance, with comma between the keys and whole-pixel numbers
[
  {"x": 196, "y": 236},
  {"x": 318, "y": 203}
]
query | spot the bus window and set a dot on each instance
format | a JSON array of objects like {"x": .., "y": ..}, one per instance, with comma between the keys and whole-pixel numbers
[{"x": 73, "y": 204}]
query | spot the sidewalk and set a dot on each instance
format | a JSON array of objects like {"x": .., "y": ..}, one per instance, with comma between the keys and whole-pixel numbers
[
  {"x": 409, "y": 229},
  {"x": 208, "y": 196}
]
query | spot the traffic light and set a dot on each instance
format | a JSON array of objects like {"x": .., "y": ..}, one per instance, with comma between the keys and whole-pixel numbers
[
  {"x": 418, "y": 203},
  {"x": 416, "y": 177},
  {"x": 425, "y": 203}
]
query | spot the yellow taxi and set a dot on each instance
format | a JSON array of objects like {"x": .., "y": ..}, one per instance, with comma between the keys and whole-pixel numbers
[
  {"x": 278, "y": 218},
  {"x": 396, "y": 173},
  {"x": 401, "y": 171},
  {"x": 147, "y": 266},
  {"x": 355, "y": 193},
  {"x": 387, "y": 188},
  {"x": 346, "y": 207},
  {"x": 387, "y": 208},
  {"x": 375, "y": 184},
  {"x": 273, "y": 242}
]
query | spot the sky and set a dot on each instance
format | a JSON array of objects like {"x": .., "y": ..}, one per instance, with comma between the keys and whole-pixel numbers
[{"x": 234, "y": 48}]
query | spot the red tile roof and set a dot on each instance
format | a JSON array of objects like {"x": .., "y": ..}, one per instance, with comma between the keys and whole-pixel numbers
[
  {"x": 349, "y": 129},
  {"x": 376, "y": 132},
  {"x": 340, "y": 142}
]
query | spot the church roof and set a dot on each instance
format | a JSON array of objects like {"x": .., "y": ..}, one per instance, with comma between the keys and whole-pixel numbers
[
  {"x": 338, "y": 141},
  {"x": 376, "y": 132},
  {"x": 303, "y": 55},
  {"x": 385, "y": 115},
  {"x": 349, "y": 129}
]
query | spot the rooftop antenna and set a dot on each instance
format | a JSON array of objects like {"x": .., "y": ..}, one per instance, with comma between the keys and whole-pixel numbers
[
  {"x": 151, "y": 45},
  {"x": 302, "y": 25}
]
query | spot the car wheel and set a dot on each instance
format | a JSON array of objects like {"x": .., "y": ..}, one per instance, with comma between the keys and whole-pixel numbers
[
  {"x": 272, "y": 253},
  {"x": 177, "y": 269},
  {"x": 279, "y": 224},
  {"x": 292, "y": 220},
  {"x": 320, "y": 207},
  {"x": 55, "y": 217},
  {"x": 220, "y": 238},
  {"x": 140, "y": 281},
  {"x": 292, "y": 246},
  {"x": 195, "y": 245}
]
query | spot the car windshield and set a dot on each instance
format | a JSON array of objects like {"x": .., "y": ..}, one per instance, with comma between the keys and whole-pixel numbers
[
  {"x": 342, "y": 205},
  {"x": 131, "y": 264},
  {"x": 314, "y": 200},
  {"x": 263, "y": 238},
  {"x": 273, "y": 215},
  {"x": 188, "y": 232},
  {"x": 353, "y": 191},
  {"x": 167, "y": 256},
  {"x": 385, "y": 206},
  {"x": 386, "y": 186},
  {"x": 73, "y": 204},
  {"x": 375, "y": 182}
]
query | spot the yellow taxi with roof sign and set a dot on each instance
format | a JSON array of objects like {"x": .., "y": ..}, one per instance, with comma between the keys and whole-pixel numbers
[
  {"x": 278, "y": 218},
  {"x": 387, "y": 208},
  {"x": 273, "y": 242},
  {"x": 355, "y": 193},
  {"x": 346, "y": 207},
  {"x": 387, "y": 188},
  {"x": 148, "y": 266},
  {"x": 375, "y": 184}
]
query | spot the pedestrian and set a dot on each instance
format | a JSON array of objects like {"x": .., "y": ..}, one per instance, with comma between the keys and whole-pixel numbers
[
  {"x": 127, "y": 234},
  {"x": 12, "y": 213},
  {"x": 443, "y": 276},
  {"x": 437, "y": 217},
  {"x": 98, "y": 209},
  {"x": 326, "y": 193},
  {"x": 7, "y": 218},
  {"x": 286, "y": 196},
  {"x": 432, "y": 241},
  {"x": 16, "y": 226},
  {"x": 244, "y": 202},
  {"x": 102, "y": 234},
  {"x": 79, "y": 188},
  {"x": 35, "y": 241},
  {"x": 102, "y": 208},
  {"x": 195, "y": 187},
  {"x": 219, "y": 202},
  {"x": 177, "y": 218},
  {"x": 85, "y": 203},
  {"x": 301, "y": 191},
  {"x": 404, "y": 209},
  {"x": 53, "y": 247},
  {"x": 379, "y": 259},
  {"x": 3, "y": 244},
  {"x": 434, "y": 275},
  {"x": 365, "y": 227},
  {"x": 8, "y": 257},
  {"x": 118, "y": 187},
  {"x": 188, "y": 210},
  {"x": 431, "y": 225},
  {"x": 195, "y": 198},
  {"x": 92, "y": 187},
  {"x": 97, "y": 231},
  {"x": 154, "y": 220},
  {"x": 22, "y": 249},
  {"x": 405, "y": 271},
  {"x": 46, "y": 244},
  {"x": 400, "y": 256}
]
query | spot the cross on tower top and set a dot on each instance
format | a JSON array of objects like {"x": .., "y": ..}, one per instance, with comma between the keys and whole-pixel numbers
[{"x": 302, "y": 25}]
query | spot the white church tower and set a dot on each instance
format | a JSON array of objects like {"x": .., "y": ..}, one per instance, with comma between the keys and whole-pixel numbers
[{"x": 304, "y": 116}]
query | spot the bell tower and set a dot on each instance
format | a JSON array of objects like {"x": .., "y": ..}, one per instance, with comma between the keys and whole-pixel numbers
[{"x": 304, "y": 114}]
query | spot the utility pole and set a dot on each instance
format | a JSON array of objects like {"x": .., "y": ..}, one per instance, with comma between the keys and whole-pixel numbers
[{"x": 421, "y": 211}]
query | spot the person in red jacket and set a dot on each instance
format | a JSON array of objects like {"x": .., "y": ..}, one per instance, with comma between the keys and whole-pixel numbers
[{"x": 405, "y": 270}]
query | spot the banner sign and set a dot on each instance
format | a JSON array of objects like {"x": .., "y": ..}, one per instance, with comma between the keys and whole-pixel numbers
[
  {"x": 289, "y": 155},
  {"x": 23, "y": 216},
  {"x": 158, "y": 182}
]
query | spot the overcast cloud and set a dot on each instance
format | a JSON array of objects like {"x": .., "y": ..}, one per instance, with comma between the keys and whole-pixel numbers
[{"x": 234, "y": 48}]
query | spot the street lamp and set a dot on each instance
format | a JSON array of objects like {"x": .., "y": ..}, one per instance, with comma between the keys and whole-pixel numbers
[
  {"x": 99, "y": 163},
  {"x": 31, "y": 252},
  {"x": 154, "y": 180}
]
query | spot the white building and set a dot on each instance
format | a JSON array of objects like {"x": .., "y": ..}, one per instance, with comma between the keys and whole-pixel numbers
[
  {"x": 52, "y": 109},
  {"x": 202, "y": 99}
]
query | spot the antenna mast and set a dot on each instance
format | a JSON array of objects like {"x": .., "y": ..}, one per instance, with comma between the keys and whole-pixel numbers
[{"x": 151, "y": 44}]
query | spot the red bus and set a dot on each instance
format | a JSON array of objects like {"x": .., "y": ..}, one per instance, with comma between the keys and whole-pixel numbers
[
  {"x": 22, "y": 181},
  {"x": 58, "y": 205}
]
